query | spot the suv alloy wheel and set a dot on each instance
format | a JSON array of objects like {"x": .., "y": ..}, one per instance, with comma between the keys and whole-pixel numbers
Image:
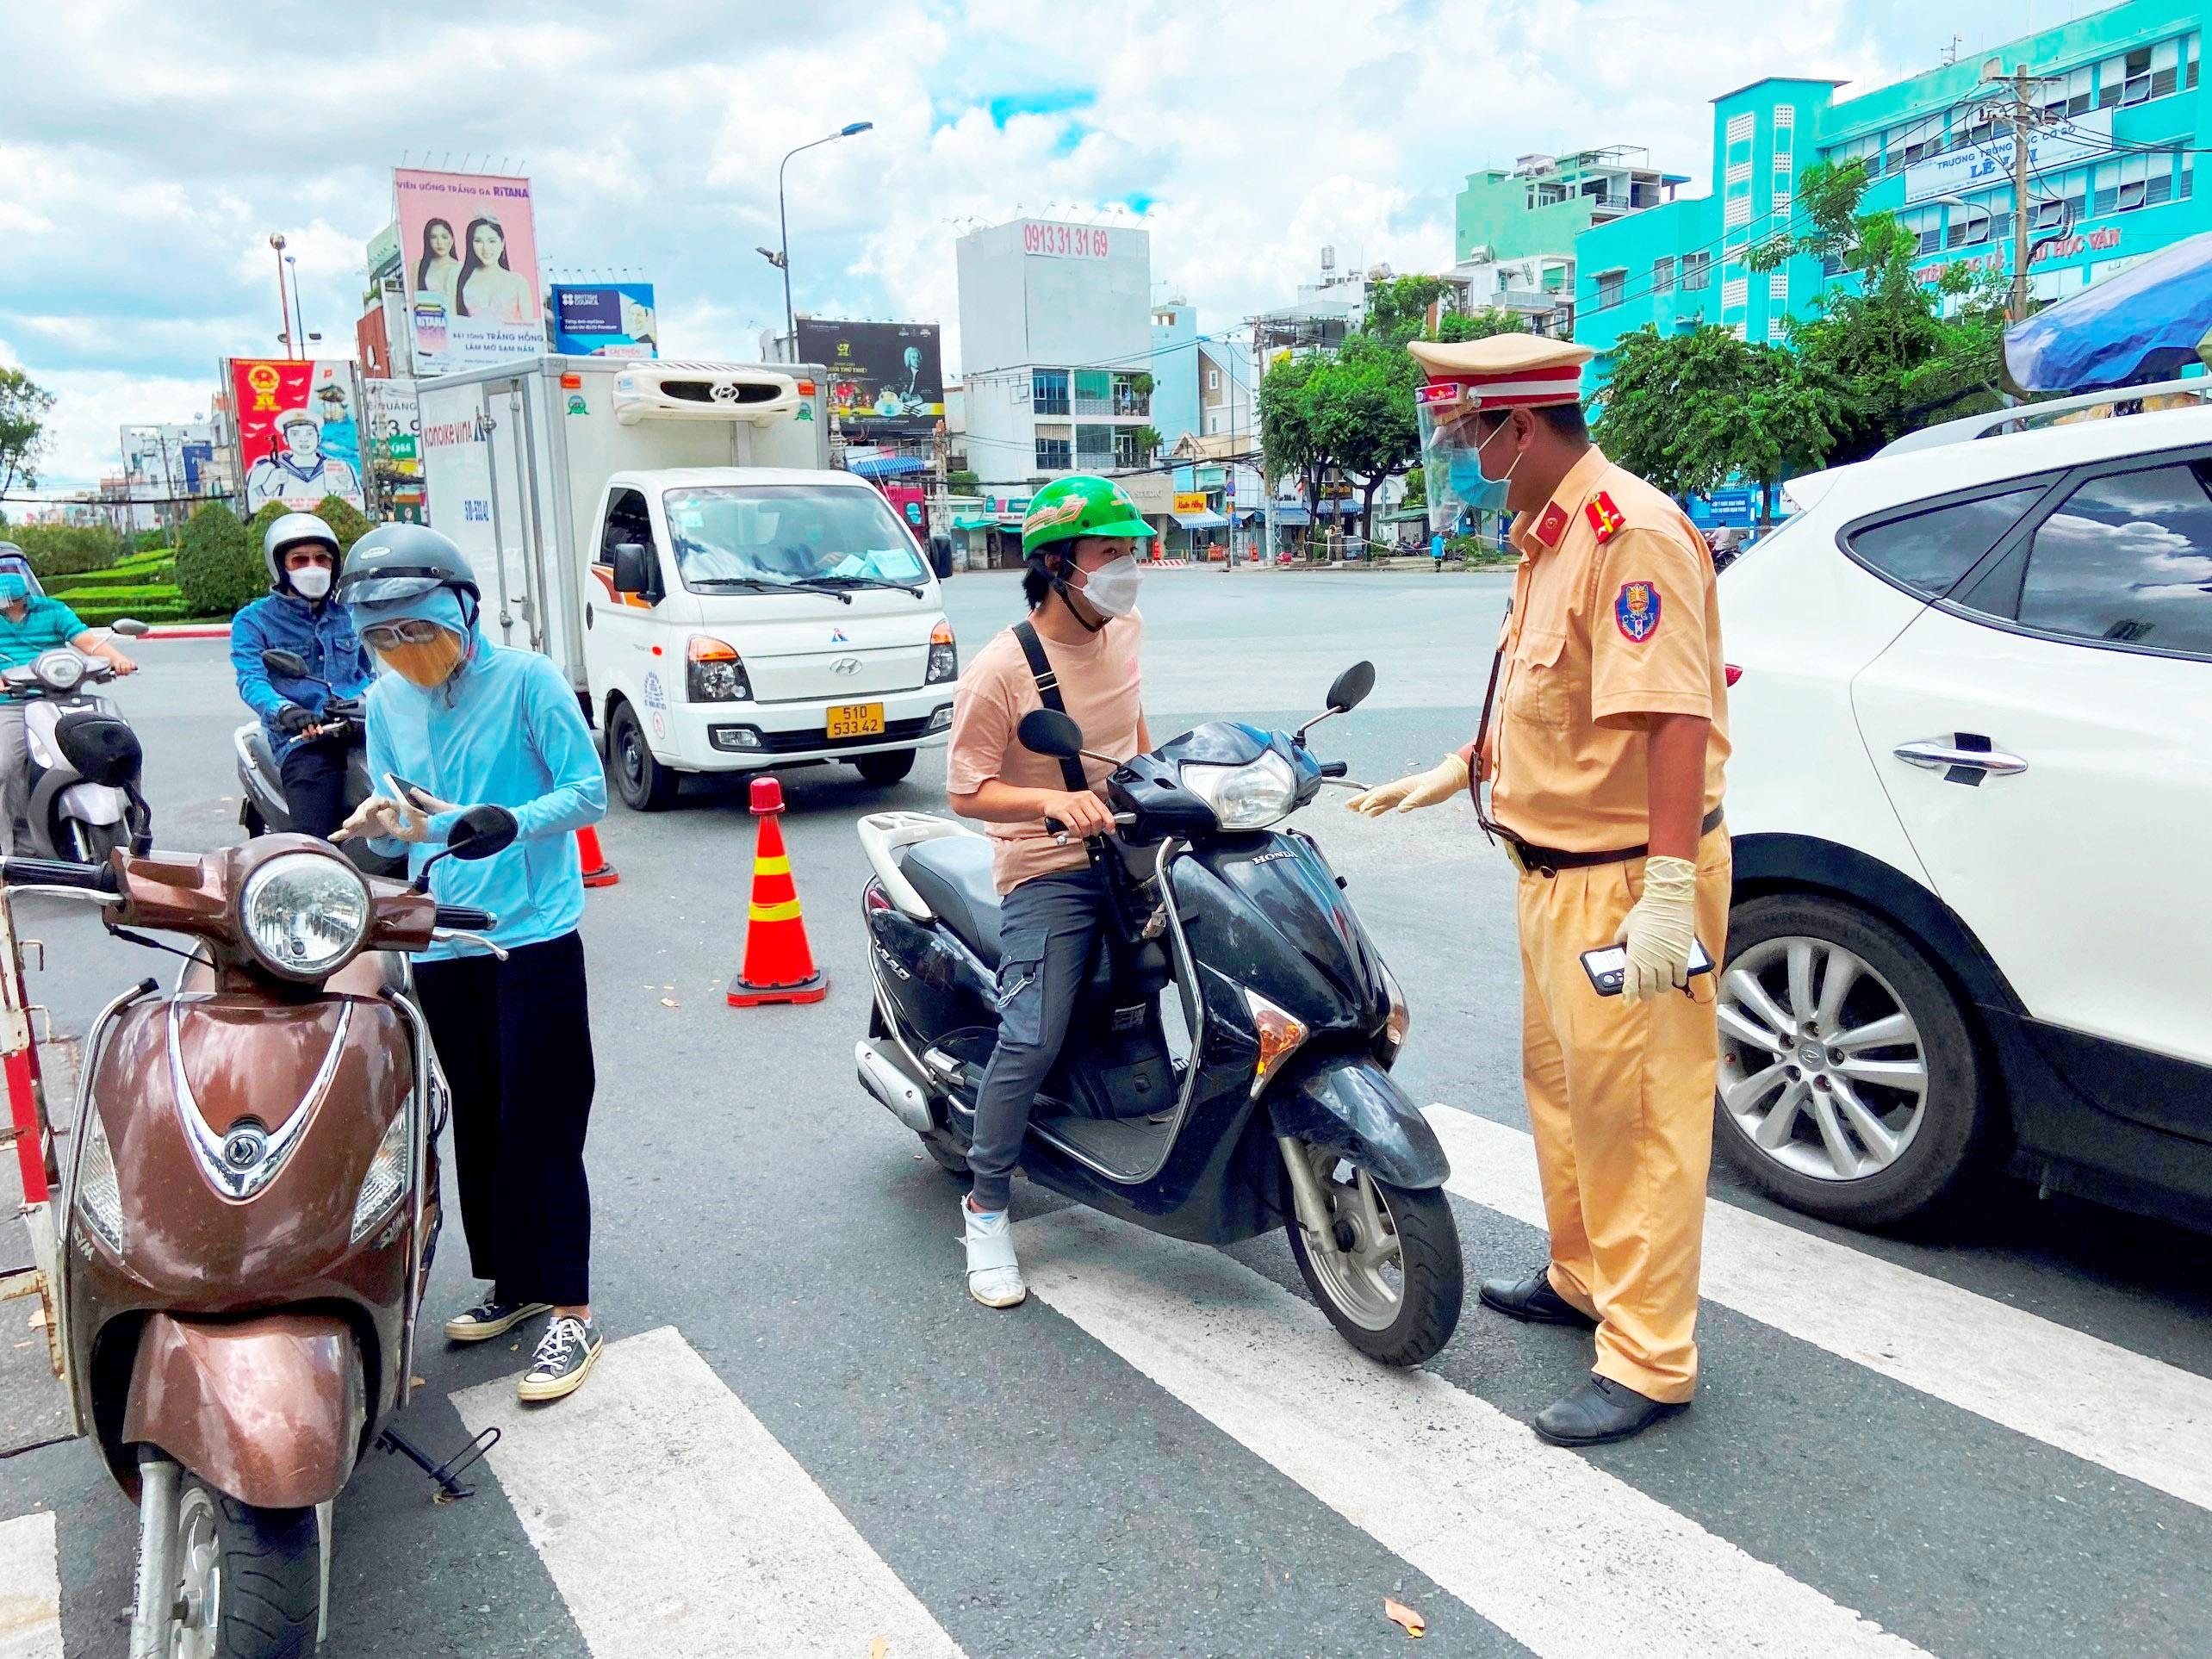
[{"x": 1849, "y": 1086}]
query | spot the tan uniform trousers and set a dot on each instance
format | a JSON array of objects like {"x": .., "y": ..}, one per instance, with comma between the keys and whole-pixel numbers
[{"x": 1620, "y": 1102}]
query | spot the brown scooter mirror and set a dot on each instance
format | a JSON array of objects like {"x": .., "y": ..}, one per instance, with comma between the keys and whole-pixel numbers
[{"x": 479, "y": 832}]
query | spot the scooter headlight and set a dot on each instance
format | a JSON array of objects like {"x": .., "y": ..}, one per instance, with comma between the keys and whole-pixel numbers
[
  {"x": 386, "y": 1180},
  {"x": 59, "y": 670},
  {"x": 1248, "y": 796},
  {"x": 304, "y": 915},
  {"x": 99, "y": 1197}
]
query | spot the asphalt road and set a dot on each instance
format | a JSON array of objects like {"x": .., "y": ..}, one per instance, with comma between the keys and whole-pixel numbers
[{"x": 805, "y": 1437}]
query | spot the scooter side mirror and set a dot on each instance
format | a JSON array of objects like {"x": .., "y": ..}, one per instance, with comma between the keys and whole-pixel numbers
[
  {"x": 1350, "y": 688},
  {"x": 102, "y": 747},
  {"x": 1049, "y": 731},
  {"x": 129, "y": 625},
  {"x": 478, "y": 833},
  {"x": 291, "y": 664},
  {"x": 481, "y": 831}
]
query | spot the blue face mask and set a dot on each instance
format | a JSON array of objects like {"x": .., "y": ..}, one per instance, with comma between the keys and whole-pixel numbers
[
  {"x": 1471, "y": 481},
  {"x": 13, "y": 589}
]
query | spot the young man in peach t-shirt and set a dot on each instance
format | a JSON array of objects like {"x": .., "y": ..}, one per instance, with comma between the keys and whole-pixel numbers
[{"x": 1081, "y": 535}]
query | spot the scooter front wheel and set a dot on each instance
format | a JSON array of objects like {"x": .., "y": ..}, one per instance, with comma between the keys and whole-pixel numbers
[
  {"x": 248, "y": 1579},
  {"x": 1390, "y": 1275}
]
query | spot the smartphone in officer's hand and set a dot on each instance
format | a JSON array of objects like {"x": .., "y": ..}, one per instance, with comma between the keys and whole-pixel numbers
[
  {"x": 399, "y": 789},
  {"x": 1607, "y": 967}
]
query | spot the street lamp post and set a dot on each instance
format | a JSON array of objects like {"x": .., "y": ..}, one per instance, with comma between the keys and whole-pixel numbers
[
  {"x": 781, "y": 259},
  {"x": 283, "y": 300},
  {"x": 299, "y": 310}
]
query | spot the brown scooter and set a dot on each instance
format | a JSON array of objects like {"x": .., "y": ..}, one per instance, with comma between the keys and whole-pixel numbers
[{"x": 251, "y": 1207}]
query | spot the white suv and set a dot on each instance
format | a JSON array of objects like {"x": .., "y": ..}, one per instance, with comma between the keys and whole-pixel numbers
[{"x": 1972, "y": 802}]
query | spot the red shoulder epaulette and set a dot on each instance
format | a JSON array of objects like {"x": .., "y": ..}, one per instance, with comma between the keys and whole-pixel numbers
[{"x": 1605, "y": 518}]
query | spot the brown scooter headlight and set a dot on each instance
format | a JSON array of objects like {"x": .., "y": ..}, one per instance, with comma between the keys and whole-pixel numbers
[{"x": 304, "y": 915}]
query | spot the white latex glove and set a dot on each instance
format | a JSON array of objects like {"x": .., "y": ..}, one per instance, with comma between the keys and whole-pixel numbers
[
  {"x": 380, "y": 817},
  {"x": 1447, "y": 778},
  {"x": 1659, "y": 929}
]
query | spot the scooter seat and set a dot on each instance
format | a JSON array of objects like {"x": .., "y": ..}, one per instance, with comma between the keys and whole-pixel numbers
[{"x": 953, "y": 875}]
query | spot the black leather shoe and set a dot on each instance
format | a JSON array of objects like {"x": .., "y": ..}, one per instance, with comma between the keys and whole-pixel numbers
[
  {"x": 1533, "y": 1299},
  {"x": 1599, "y": 1411}
]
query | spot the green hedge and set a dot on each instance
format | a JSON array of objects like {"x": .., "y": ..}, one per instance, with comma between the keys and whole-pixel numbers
[
  {"x": 131, "y": 575},
  {"x": 218, "y": 563},
  {"x": 65, "y": 549},
  {"x": 99, "y": 615}
]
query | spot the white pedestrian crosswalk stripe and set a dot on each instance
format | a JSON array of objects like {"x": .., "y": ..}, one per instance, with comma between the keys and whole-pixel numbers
[
  {"x": 1566, "y": 1558},
  {"x": 30, "y": 1588},
  {"x": 2030, "y": 1374},
  {"x": 676, "y": 1524}
]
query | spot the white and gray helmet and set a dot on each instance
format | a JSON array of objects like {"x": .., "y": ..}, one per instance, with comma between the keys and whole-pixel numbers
[{"x": 289, "y": 531}]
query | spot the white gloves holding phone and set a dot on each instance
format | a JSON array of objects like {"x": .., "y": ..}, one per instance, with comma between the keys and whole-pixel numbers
[
  {"x": 384, "y": 818},
  {"x": 1660, "y": 928}
]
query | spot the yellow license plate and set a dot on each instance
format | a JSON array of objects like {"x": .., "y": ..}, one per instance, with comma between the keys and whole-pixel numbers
[{"x": 856, "y": 720}]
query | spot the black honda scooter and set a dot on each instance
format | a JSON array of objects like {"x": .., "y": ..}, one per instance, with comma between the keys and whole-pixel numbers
[
  {"x": 263, "y": 808},
  {"x": 1270, "y": 1105}
]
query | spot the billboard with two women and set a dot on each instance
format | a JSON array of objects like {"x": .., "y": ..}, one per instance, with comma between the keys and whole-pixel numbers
[{"x": 468, "y": 256}]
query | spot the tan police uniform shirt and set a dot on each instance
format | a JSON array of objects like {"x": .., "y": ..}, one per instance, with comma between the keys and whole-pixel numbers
[
  {"x": 1615, "y": 617},
  {"x": 1098, "y": 682}
]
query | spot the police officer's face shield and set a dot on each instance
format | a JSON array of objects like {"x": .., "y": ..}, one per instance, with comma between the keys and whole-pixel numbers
[{"x": 1467, "y": 459}]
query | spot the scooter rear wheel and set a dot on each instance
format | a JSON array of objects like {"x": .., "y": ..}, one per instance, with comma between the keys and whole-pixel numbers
[
  {"x": 249, "y": 1579},
  {"x": 1392, "y": 1281}
]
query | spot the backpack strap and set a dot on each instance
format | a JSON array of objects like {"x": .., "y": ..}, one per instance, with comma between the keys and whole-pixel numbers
[{"x": 1072, "y": 776}]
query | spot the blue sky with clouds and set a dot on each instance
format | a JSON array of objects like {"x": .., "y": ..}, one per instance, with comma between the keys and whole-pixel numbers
[{"x": 146, "y": 151}]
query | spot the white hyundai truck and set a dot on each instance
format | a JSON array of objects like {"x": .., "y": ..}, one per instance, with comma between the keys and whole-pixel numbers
[{"x": 673, "y": 534}]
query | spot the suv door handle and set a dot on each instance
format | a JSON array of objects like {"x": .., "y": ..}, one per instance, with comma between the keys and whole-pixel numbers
[{"x": 1959, "y": 751}]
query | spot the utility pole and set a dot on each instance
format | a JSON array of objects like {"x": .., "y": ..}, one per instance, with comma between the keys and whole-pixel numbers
[{"x": 2016, "y": 308}]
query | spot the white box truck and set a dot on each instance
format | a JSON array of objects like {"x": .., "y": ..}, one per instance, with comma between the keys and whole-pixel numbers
[{"x": 673, "y": 534}]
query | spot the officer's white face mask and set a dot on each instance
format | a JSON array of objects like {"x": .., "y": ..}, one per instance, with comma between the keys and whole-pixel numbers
[
  {"x": 311, "y": 582},
  {"x": 1112, "y": 587}
]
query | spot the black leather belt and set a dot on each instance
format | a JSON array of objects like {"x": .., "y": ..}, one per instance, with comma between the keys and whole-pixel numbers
[{"x": 1550, "y": 860}]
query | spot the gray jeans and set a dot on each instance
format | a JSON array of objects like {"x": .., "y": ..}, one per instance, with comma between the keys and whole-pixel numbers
[
  {"x": 14, "y": 775},
  {"x": 1047, "y": 928}
]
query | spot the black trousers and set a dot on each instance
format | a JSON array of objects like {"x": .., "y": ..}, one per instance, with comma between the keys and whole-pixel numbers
[
  {"x": 515, "y": 1040},
  {"x": 314, "y": 785}
]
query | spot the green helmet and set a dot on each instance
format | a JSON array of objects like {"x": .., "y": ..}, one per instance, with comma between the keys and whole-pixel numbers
[{"x": 1085, "y": 505}]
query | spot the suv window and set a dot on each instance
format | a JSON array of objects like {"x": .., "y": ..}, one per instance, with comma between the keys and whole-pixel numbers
[
  {"x": 2127, "y": 559},
  {"x": 1929, "y": 551},
  {"x": 628, "y": 519}
]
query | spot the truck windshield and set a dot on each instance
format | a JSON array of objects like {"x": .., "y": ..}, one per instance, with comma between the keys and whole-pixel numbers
[{"x": 789, "y": 536}]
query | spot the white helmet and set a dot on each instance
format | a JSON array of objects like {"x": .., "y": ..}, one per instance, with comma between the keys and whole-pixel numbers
[{"x": 289, "y": 531}]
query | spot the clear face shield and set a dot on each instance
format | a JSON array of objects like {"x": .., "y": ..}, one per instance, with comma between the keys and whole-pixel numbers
[{"x": 1466, "y": 464}]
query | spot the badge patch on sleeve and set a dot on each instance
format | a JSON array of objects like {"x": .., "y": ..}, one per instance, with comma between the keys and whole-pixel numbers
[{"x": 1636, "y": 609}]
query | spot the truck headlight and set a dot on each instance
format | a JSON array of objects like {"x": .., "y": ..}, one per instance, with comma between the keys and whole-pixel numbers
[
  {"x": 99, "y": 1198},
  {"x": 944, "y": 655},
  {"x": 387, "y": 1179},
  {"x": 304, "y": 913},
  {"x": 1247, "y": 797},
  {"x": 714, "y": 672}
]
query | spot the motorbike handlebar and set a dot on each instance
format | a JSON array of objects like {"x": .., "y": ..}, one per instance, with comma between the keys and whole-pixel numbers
[
  {"x": 466, "y": 918},
  {"x": 1336, "y": 768},
  {"x": 52, "y": 872}
]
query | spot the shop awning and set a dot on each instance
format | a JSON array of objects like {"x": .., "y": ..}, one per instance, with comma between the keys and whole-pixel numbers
[
  {"x": 1201, "y": 520},
  {"x": 887, "y": 466},
  {"x": 974, "y": 524},
  {"x": 1293, "y": 516},
  {"x": 2148, "y": 323}
]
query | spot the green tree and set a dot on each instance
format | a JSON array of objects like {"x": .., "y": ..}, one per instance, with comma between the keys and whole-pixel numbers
[
  {"x": 69, "y": 549},
  {"x": 1479, "y": 325},
  {"x": 1363, "y": 405},
  {"x": 1689, "y": 411},
  {"x": 1904, "y": 351},
  {"x": 347, "y": 521},
  {"x": 24, "y": 405},
  {"x": 1291, "y": 440},
  {"x": 219, "y": 561}
]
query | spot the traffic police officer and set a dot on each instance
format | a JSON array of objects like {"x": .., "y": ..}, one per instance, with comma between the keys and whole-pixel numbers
[{"x": 1603, "y": 737}]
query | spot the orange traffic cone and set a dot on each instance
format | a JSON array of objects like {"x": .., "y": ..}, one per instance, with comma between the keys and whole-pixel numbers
[
  {"x": 598, "y": 872},
  {"x": 778, "y": 965}
]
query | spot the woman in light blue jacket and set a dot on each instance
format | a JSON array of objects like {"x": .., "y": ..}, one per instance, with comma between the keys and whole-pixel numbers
[{"x": 462, "y": 723}]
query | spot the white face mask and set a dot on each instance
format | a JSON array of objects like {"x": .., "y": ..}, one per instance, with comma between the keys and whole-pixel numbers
[
  {"x": 1112, "y": 587},
  {"x": 310, "y": 581}
]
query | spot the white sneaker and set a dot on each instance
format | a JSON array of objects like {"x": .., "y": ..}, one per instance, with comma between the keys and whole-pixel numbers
[{"x": 994, "y": 1277}]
